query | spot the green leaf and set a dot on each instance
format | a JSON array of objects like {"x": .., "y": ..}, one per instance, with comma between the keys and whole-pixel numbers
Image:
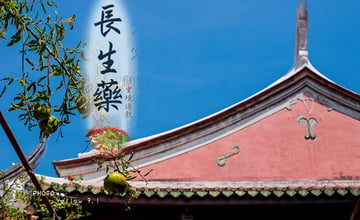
[
  {"x": 38, "y": 30},
  {"x": 35, "y": 47},
  {"x": 70, "y": 60},
  {"x": 21, "y": 96},
  {"x": 14, "y": 107},
  {"x": 54, "y": 49},
  {"x": 22, "y": 83},
  {"x": 41, "y": 79},
  {"x": 61, "y": 84},
  {"x": 148, "y": 172},
  {"x": 84, "y": 57},
  {"x": 52, "y": 33},
  {"x": 131, "y": 156},
  {"x": 41, "y": 51},
  {"x": 69, "y": 19},
  {"x": 32, "y": 86},
  {"x": 22, "y": 6},
  {"x": 78, "y": 45},
  {"x": 60, "y": 32},
  {"x": 50, "y": 3},
  {"x": 131, "y": 178},
  {"x": 15, "y": 38},
  {"x": 29, "y": 61},
  {"x": 43, "y": 8},
  {"x": 10, "y": 80}
]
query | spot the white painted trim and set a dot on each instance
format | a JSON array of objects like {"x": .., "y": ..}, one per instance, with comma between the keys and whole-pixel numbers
[{"x": 215, "y": 184}]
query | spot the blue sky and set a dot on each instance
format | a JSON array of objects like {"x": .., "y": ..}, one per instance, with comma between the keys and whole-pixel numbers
[{"x": 198, "y": 57}]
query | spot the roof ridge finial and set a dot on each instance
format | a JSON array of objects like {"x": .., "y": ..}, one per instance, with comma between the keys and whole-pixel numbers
[
  {"x": 301, "y": 45},
  {"x": 302, "y": 2}
]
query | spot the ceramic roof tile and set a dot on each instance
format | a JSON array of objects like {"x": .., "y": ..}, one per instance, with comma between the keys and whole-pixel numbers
[{"x": 239, "y": 191}]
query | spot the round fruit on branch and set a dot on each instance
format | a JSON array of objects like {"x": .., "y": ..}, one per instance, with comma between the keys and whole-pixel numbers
[
  {"x": 49, "y": 126},
  {"x": 83, "y": 105},
  {"x": 41, "y": 112},
  {"x": 115, "y": 183}
]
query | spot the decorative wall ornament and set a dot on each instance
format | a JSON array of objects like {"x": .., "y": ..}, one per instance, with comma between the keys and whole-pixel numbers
[
  {"x": 314, "y": 97},
  {"x": 303, "y": 99},
  {"x": 309, "y": 125},
  {"x": 306, "y": 106},
  {"x": 293, "y": 101},
  {"x": 220, "y": 161},
  {"x": 324, "y": 101},
  {"x": 311, "y": 122}
]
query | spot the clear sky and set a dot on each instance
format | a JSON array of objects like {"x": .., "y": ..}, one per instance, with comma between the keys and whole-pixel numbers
[{"x": 197, "y": 57}]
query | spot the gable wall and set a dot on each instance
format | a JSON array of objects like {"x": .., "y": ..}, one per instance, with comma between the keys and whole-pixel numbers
[{"x": 274, "y": 148}]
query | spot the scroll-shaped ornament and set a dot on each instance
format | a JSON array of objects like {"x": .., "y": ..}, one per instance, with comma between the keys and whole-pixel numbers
[
  {"x": 220, "y": 161},
  {"x": 309, "y": 125}
]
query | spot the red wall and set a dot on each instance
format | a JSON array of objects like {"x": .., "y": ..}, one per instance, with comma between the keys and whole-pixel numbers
[{"x": 274, "y": 148}]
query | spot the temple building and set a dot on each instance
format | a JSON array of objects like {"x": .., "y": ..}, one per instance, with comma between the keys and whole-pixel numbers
[{"x": 290, "y": 151}]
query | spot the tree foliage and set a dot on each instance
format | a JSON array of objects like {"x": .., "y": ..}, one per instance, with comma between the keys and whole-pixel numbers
[
  {"x": 50, "y": 73},
  {"x": 49, "y": 80},
  {"x": 20, "y": 200}
]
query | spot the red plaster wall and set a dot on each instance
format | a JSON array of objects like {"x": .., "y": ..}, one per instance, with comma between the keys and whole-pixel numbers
[{"x": 275, "y": 149}]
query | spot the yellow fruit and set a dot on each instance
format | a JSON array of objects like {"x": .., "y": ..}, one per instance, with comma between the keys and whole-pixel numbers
[
  {"x": 115, "y": 183},
  {"x": 83, "y": 105},
  {"x": 42, "y": 112},
  {"x": 49, "y": 126},
  {"x": 43, "y": 125}
]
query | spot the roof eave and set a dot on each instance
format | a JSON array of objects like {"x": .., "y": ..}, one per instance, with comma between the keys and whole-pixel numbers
[{"x": 291, "y": 78}]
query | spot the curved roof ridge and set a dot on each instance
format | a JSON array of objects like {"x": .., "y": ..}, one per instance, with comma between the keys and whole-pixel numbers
[
  {"x": 292, "y": 72},
  {"x": 301, "y": 62}
]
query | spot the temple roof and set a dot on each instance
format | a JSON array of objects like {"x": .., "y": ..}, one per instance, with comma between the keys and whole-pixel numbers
[
  {"x": 298, "y": 90},
  {"x": 239, "y": 189},
  {"x": 300, "y": 133},
  {"x": 33, "y": 158}
]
